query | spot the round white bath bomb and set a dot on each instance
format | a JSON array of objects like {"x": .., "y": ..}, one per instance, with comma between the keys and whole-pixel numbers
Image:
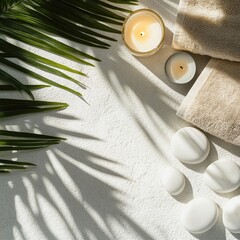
[
  {"x": 199, "y": 215},
  {"x": 222, "y": 176},
  {"x": 173, "y": 181},
  {"x": 189, "y": 145},
  {"x": 231, "y": 215}
]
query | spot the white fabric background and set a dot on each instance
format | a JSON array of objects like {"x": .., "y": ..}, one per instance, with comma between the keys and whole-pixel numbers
[{"x": 104, "y": 181}]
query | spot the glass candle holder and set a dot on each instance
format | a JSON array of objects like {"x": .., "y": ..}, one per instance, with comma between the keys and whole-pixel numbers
[{"x": 143, "y": 32}]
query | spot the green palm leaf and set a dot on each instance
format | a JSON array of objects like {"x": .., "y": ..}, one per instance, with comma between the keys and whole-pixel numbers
[
  {"x": 11, "y": 140},
  {"x": 11, "y": 162},
  {"x": 30, "y": 87},
  {"x": 34, "y": 22},
  {"x": 8, "y": 165},
  {"x": 37, "y": 76},
  {"x": 6, "y": 5},
  {"x": 14, "y": 107},
  {"x": 5, "y": 77},
  {"x": 37, "y": 23}
]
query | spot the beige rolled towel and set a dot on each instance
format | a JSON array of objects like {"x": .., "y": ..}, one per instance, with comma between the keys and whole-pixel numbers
[
  {"x": 209, "y": 27},
  {"x": 213, "y": 103}
]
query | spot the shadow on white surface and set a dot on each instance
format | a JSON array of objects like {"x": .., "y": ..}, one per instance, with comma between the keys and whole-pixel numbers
[
  {"x": 167, "y": 8},
  {"x": 143, "y": 97},
  {"x": 72, "y": 192},
  {"x": 235, "y": 150},
  {"x": 66, "y": 196},
  {"x": 231, "y": 194},
  {"x": 201, "y": 167},
  {"x": 237, "y": 236},
  {"x": 187, "y": 194}
]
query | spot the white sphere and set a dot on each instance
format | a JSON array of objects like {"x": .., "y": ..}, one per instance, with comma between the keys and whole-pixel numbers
[
  {"x": 231, "y": 215},
  {"x": 189, "y": 145},
  {"x": 222, "y": 176},
  {"x": 173, "y": 181},
  {"x": 199, "y": 215}
]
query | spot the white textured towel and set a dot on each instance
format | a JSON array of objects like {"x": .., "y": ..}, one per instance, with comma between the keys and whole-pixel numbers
[
  {"x": 209, "y": 27},
  {"x": 213, "y": 103}
]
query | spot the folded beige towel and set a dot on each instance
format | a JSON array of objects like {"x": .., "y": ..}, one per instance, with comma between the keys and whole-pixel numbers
[
  {"x": 213, "y": 103},
  {"x": 209, "y": 27}
]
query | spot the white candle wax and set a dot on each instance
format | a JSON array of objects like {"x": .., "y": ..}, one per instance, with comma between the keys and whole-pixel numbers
[
  {"x": 180, "y": 68},
  {"x": 143, "y": 32}
]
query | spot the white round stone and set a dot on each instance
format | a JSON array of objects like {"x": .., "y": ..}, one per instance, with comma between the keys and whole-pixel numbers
[
  {"x": 231, "y": 215},
  {"x": 189, "y": 145},
  {"x": 199, "y": 215},
  {"x": 173, "y": 181},
  {"x": 222, "y": 176}
]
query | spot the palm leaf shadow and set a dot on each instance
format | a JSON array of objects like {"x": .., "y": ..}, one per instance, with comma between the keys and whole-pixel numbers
[
  {"x": 59, "y": 184},
  {"x": 69, "y": 186}
]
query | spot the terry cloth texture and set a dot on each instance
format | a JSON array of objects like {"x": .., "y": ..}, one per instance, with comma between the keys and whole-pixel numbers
[
  {"x": 213, "y": 103},
  {"x": 209, "y": 27}
]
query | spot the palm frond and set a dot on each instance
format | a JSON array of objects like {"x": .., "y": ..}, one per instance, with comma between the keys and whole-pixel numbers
[
  {"x": 37, "y": 76},
  {"x": 36, "y": 22},
  {"x": 6, "y": 166},
  {"x": 5, "y": 77},
  {"x": 12, "y": 140},
  {"x": 30, "y": 87},
  {"x": 11, "y": 162},
  {"x": 6, "y": 5},
  {"x": 14, "y": 107}
]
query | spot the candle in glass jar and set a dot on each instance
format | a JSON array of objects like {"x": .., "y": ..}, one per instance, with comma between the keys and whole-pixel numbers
[
  {"x": 143, "y": 32},
  {"x": 180, "y": 68}
]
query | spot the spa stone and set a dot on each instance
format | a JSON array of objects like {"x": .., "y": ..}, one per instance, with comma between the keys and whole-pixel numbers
[
  {"x": 189, "y": 145},
  {"x": 231, "y": 215},
  {"x": 200, "y": 215},
  {"x": 222, "y": 176},
  {"x": 173, "y": 181}
]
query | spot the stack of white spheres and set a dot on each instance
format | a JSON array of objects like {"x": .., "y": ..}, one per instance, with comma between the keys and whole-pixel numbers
[
  {"x": 223, "y": 176},
  {"x": 191, "y": 146}
]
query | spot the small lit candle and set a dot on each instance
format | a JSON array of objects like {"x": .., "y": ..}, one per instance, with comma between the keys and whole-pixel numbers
[
  {"x": 143, "y": 32},
  {"x": 180, "y": 68}
]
